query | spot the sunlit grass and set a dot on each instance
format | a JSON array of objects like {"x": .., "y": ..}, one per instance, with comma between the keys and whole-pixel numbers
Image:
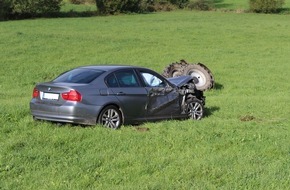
[{"x": 242, "y": 143}]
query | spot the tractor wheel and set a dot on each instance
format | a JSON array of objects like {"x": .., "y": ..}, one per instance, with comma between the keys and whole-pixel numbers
[
  {"x": 202, "y": 76},
  {"x": 174, "y": 69}
]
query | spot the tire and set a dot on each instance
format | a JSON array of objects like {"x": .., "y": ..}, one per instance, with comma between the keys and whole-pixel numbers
[
  {"x": 195, "y": 108},
  {"x": 174, "y": 69},
  {"x": 110, "y": 117},
  {"x": 202, "y": 76}
]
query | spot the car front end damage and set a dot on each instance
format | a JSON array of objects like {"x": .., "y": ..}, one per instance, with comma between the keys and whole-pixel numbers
[
  {"x": 182, "y": 99},
  {"x": 193, "y": 101},
  {"x": 187, "y": 87}
]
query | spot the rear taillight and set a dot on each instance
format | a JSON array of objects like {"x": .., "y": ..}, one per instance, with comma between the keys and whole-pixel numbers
[
  {"x": 35, "y": 93},
  {"x": 72, "y": 95}
]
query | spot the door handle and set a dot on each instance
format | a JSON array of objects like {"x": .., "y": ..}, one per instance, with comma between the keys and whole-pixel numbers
[{"x": 121, "y": 94}]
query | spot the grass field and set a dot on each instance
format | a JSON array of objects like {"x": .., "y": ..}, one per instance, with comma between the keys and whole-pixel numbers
[{"x": 242, "y": 143}]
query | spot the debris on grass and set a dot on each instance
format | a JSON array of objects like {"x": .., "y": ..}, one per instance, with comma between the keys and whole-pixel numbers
[{"x": 247, "y": 118}]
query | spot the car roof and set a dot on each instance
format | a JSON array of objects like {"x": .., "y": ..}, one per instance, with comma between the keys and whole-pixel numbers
[{"x": 108, "y": 67}]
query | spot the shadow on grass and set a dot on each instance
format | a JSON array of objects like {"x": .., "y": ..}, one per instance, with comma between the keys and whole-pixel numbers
[
  {"x": 69, "y": 14},
  {"x": 76, "y": 14},
  {"x": 210, "y": 110},
  {"x": 218, "y": 86},
  {"x": 284, "y": 11}
]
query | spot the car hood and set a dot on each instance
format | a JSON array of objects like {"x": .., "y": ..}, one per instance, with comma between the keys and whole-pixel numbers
[{"x": 179, "y": 81}]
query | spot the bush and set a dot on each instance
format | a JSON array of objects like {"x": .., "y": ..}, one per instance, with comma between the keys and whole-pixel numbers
[
  {"x": 78, "y": 2},
  {"x": 107, "y": 6},
  {"x": 4, "y": 9},
  {"x": 28, "y": 8},
  {"x": 201, "y": 5},
  {"x": 160, "y": 6},
  {"x": 179, "y": 3},
  {"x": 266, "y": 6},
  {"x": 117, "y": 6},
  {"x": 137, "y": 6}
]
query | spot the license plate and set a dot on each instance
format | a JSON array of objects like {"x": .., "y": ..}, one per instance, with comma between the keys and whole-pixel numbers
[{"x": 50, "y": 96}]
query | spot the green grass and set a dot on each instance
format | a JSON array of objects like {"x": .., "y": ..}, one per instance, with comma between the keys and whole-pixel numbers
[{"x": 242, "y": 143}]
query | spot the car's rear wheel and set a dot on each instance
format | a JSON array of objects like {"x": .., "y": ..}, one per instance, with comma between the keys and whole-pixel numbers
[
  {"x": 195, "y": 108},
  {"x": 110, "y": 117}
]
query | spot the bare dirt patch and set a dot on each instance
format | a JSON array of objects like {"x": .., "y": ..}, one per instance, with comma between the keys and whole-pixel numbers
[{"x": 247, "y": 118}]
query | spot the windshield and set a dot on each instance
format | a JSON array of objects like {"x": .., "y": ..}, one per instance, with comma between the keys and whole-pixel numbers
[{"x": 80, "y": 75}]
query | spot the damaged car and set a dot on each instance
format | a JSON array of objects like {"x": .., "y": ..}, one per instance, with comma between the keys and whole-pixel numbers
[{"x": 115, "y": 95}]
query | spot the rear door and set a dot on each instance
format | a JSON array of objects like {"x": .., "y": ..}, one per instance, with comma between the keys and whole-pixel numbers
[{"x": 126, "y": 86}]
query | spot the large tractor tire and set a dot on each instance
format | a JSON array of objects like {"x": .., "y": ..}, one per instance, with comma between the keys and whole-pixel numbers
[
  {"x": 174, "y": 69},
  {"x": 202, "y": 76}
]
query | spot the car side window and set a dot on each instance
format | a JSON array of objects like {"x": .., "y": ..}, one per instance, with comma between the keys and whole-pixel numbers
[
  {"x": 111, "y": 81},
  {"x": 126, "y": 78},
  {"x": 152, "y": 80}
]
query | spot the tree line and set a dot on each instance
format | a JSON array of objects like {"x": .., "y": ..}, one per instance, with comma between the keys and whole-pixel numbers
[{"x": 11, "y": 9}]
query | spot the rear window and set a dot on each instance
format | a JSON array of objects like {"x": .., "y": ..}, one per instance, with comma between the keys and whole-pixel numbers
[{"x": 79, "y": 75}]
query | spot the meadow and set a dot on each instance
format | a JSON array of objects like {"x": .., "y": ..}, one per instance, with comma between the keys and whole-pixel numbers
[{"x": 240, "y": 144}]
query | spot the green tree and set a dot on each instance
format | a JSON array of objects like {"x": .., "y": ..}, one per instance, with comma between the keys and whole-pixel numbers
[
  {"x": 4, "y": 9},
  {"x": 117, "y": 6},
  {"x": 266, "y": 6},
  {"x": 179, "y": 3},
  {"x": 28, "y": 8},
  {"x": 137, "y": 6}
]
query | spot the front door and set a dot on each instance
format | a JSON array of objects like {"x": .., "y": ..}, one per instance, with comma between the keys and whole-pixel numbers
[{"x": 163, "y": 100}]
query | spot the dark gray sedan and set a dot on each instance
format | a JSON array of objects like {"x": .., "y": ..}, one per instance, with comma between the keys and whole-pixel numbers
[{"x": 116, "y": 95}]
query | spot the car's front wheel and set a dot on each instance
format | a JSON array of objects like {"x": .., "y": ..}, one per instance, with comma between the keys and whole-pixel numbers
[
  {"x": 110, "y": 117},
  {"x": 195, "y": 108}
]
